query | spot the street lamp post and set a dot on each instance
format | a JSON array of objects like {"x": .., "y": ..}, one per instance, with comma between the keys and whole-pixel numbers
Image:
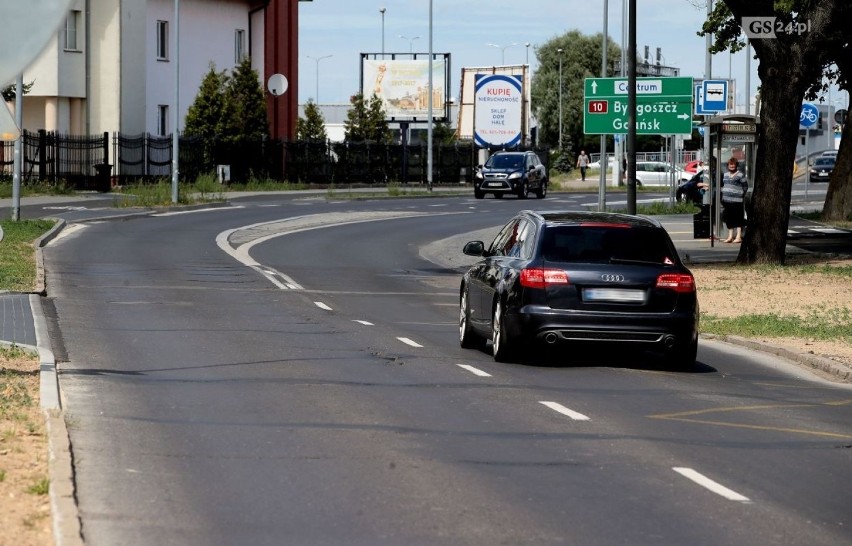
[
  {"x": 382, "y": 11},
  {"x": 527, "y": 45},
  {"x": 559, "y": 51},
  {"x": 410, "y": 41},
  {"x": 317, "y": 61},
  {"x": 503, "y": 50}
]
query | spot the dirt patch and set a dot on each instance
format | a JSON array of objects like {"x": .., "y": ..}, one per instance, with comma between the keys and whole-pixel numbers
[
  {"x": 25, "y": 517},
  {"x": 727, "y": 290}
]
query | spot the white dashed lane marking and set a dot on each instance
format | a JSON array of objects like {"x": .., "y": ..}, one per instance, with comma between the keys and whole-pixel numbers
[
  {"x": 559, "y": 408},
  {"x": 474, "y": 371},
  {"x": 409, "y": 342},
  {"x": 706, "y": 482},
  {"x": 321, "y": 305}
]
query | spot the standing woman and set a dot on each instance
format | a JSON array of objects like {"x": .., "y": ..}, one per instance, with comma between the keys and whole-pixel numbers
[{"x": 734, "y": 188}]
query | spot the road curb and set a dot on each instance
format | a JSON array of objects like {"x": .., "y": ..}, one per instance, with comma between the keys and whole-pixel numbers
[
  {"x": 67, "y": 530},
  {"x": 838, "y": 370}
]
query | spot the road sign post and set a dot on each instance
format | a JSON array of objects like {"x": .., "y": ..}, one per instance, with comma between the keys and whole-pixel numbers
[
  {"x": 663, "y": 106},
  {"x": 808, "y": 117}
]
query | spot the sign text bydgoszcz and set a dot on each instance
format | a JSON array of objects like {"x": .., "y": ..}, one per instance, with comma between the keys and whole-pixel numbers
[{"x": 663, "y": 106}]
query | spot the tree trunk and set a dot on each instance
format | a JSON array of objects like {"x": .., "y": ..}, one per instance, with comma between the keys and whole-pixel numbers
[
  {"x": 838, "y": 200},
  {"x": 769, "y": 213},
  {"x": 789, "y": 64}
]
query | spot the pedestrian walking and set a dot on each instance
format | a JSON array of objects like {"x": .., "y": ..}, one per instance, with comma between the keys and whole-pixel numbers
[{"x": 583, "y": 163}]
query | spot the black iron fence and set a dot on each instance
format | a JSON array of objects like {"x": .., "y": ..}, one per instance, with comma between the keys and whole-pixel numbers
[{"x": 84, "y": 162}]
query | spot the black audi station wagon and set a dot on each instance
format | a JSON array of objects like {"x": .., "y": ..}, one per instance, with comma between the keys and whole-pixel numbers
[{"x": 596, "y": 279}]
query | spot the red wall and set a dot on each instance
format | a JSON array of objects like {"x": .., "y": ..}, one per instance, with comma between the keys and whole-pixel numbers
[{"x": 281, "y": 56}]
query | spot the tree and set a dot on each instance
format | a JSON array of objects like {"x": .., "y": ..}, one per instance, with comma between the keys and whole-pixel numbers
[
  {"x": 788, "y": 66},
  {"x": 355, "y": 126},
  {"x": 838, "y": 199},
  {"x": 204, "y": 118},
  {"x": 581, "y": 59},
  {"x": 442, "y": 133},
  {"x": 10, "y": 92},
  {"x": 245, "y": 105},
  {"x": 312, "y": 126},
  {"x": 379, "y": 130},
  {"x": 366, "y": 120}
]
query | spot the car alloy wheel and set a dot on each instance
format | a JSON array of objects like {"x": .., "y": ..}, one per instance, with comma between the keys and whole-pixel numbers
[
  {"x": 467, "y": 337},
  {"x": 541, "y": 192},
  {"x": 501, "y": 348},
  {"x": 523, "y": 190}
]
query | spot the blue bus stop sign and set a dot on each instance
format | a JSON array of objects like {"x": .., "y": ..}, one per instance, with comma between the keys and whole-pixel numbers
[{"x": 809, "y": 115}]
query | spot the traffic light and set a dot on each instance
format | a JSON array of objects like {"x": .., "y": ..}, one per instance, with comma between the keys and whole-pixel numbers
[{"x": 819, "y": 122}]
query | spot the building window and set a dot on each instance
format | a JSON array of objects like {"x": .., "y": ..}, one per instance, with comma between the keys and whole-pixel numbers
[
  {"x": 162, "y": 40},
  {"x": 239, "y": 46},
  {"x": 72, "y": 28},
  {"x": 163, "y": 120}
]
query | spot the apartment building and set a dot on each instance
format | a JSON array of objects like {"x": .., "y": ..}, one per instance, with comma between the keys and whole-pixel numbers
[{"x": 111, "y": 67}]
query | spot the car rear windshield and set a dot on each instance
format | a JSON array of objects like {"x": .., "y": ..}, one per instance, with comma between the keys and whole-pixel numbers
[
  {"x": 606, "y": 243},
  {"x": 505, "y": 161}
]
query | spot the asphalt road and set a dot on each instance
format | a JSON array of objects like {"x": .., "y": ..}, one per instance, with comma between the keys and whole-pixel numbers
[{"x": 288, "y": 371}]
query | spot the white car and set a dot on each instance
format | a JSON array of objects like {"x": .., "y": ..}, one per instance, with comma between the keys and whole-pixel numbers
[
  {"x": 658, "y": 173},
  {"x": 597, "y": 164}
]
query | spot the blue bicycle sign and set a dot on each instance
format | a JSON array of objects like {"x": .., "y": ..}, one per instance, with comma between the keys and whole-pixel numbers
[{"x": 809, "y": 115}]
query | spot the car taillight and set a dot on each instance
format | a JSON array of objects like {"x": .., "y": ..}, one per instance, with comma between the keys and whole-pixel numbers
[
  {"x": 537, "y": 277},
  {"x": 679, "y": 282}
]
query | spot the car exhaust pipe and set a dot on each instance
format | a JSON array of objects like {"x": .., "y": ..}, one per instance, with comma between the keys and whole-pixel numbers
[
  {"x": 669, "y": 342},
  {"x": 550, "y": 338}
]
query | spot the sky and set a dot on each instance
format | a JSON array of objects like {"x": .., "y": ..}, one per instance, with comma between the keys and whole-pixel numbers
[{"x": 346, "y": 28}]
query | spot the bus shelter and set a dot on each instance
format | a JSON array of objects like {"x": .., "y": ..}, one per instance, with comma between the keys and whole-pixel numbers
[{"x": 733, "y": 135}]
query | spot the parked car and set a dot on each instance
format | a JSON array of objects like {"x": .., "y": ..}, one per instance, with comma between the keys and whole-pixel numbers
[
  {"x": 579, "y": 279},
  {"x": 689, "y": 191},
  {"x": 658, "y": 173},
  {"x": 518, "y": 173},
  {"x": 821, "y": 168},
  {"x": 610, "y": 163}
]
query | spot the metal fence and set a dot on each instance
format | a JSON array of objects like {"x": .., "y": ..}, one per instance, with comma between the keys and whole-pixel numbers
[{"x": 83, "y": 162}]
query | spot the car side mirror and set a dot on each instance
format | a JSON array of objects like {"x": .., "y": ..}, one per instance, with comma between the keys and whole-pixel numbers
[{"x": 474, "y": 248}]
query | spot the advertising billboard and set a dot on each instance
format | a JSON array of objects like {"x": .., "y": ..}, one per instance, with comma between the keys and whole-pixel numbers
[
  {"x": 498, "y": 110},
  {"x": 403, "y": 86},
  {"x": 467, "y": 98}
]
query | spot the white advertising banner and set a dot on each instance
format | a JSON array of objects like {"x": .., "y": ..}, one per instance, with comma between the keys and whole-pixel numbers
[
  {"x": 403, "y": 86},
  {"x": 498, "y": 110}
]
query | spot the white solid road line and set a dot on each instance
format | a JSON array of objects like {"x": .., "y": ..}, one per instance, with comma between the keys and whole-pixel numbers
[
  {"x": 409, "y": 342},
  {"x": 197, "y": 211},
  {"x": 474, "y": 371},
  {"x": 704, "y": 481},
  {"x": 564, "y": 411}
]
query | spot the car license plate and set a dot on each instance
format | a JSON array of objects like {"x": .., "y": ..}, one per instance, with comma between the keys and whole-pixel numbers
[
  {"x": 614, "y": 294},
  {"x": 494, "y": 184},
  {"x": 823, "y": 174}
]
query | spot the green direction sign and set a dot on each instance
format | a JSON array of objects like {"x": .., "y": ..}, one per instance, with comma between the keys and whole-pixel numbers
[{"x": 663, "y": 106}]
